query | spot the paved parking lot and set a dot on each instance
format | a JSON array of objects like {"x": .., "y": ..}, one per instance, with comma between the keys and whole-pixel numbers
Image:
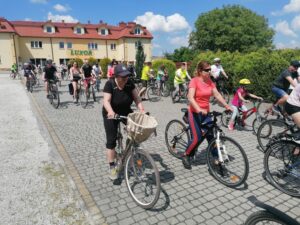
[{"x": 188, "y": 197}]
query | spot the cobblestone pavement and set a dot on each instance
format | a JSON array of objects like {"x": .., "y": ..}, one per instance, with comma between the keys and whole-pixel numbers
[{"x": 188, "y": 197}]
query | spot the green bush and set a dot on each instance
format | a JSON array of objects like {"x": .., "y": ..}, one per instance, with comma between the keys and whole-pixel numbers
[
  {"x": 104, "y": 64},
  {"x": 170, "y": 66},
  {"x": 78, "y": 60},
  {"x": 92, "y": 61}
]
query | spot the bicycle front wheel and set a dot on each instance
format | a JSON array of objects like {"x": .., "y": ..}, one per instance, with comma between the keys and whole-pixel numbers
[
  {"x": 225, "y": 118},
  {"x": 267, "y": 130},
  {"x": 235, "y": 169},
  {"x": 264, "y": 109},
  {"x": 142, "y": 178},
  {"x": 153, "y": 94},
  {"x": 83, "y": 98},
  {"x": 282, "y": 166},
  {"x": 263, "y": 217},
  {"x": 256, "y": 124},
  {"x": 177, "y": 138},
  {"x": 55, "y": 97}
]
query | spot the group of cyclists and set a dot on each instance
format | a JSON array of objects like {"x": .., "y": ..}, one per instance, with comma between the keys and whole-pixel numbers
[{"x": 120, "y": 92}]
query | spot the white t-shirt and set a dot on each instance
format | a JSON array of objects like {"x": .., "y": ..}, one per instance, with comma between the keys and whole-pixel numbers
[
  {"x": 97, "y": 70},
  {"x": 294, "y": 98},
  {"x": 216, "y": 70}
]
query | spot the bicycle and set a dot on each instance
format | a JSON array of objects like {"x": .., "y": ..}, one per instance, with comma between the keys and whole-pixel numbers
[
  {"x": 282, "y": 164},
  {"x": 83, "y": 94},
  {"x": 182, "y": 94},
  {"x": 140, "y": 171},
  {"x": 15, "y": 75},
  {"x": 220, "y": 85},
  {"x": 269, "y": 214},
  {"x": 53, "y": 96},
  {"x": 269, "y": 130},
  {"x": 240, "y": 119},
  {"x": 232, "y": 168},
  {"x": 153, "y": 91}
]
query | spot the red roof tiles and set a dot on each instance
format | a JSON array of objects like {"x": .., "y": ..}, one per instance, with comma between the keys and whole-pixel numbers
[{"x": 65, "y": 30}]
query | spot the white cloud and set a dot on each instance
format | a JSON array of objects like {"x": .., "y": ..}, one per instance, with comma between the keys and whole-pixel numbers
[
  {"x": 175, "y": 22},
  {"x": 28, "y": 19},
  {"x": 59, "y": 18},
  {"x": 293, "y": 6},
  {"x": 296, "y": 23},
  {"x": 179, "y": 41},
  {"x": 292, "y": 45},
  {"x": 61, "y": 8},
  {"x": 284, "y": 28},
  {"x": 39, "y": 1}
]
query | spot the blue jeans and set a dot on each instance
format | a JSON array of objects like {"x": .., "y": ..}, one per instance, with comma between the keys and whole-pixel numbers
[{"x": 279, "y": 93}]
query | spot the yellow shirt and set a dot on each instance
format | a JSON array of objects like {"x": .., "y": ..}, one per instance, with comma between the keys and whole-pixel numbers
[{"x": 145, "y": 72}]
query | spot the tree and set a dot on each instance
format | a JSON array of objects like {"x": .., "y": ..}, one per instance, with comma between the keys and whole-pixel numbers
[
  {"x": 139, "y": 59},
  {"x": 232, "y": 28},
  {"x": 104, "y": 65},
  {"x": 182, "y": 54}
]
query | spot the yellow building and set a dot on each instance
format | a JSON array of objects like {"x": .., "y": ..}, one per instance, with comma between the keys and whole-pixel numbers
[{"x": 23, "y": 41}]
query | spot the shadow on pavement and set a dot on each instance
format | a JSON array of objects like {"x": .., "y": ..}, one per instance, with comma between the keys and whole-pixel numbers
[{"x": 163, "y": 202}]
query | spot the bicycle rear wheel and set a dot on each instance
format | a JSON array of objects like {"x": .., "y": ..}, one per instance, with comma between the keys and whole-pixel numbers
[
  {"x": 267, "y": 130},
  {"x": 225, "y": 118},
  {"x": 235, "y": 169},
  {"x": 282, "y": 166},
  {"x": 256, "y": 123},
  {"x": 263, "y": 217},
  {"x": 153, "y": 94},
  {"x": 142, "y": 178},
  {"x": 177, "y": 138}
]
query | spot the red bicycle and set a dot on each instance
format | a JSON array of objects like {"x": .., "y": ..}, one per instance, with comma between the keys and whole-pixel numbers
[{"x": 241, "y": 118}]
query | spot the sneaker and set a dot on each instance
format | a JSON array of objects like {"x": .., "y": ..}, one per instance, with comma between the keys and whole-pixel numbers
[
  {"x": 113, "y": 173},
  {"x": 276, "y": 109},
  {"x": 221, "y": 169},
  {"x": 186, "y": 161},
  {"x": 74, "y": 100},
  {"x": 230, "y": 126}
]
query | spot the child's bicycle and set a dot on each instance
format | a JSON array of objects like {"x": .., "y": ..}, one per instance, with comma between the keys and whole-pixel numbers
[
  {"x": 241, "y": 118},
  {"x": 226, "y": 159},
  {"x": 140, "y": 171}
]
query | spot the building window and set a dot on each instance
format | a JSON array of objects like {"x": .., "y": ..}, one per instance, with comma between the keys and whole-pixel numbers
[
  {"x": 104, "y": 32},
  {"x": 113, "y": 46},
  {"x": 49, "y": 29},
  {"x": 61, "y": 45},
  {"x": 36, "y": 44},
  {"x": 93, "y": 46},
  {"x": 137, "y": 43},
  {"x": 78, "y": 30},
  {"x": 69, "y": 45},
  {"x": 137, "y": 30}
]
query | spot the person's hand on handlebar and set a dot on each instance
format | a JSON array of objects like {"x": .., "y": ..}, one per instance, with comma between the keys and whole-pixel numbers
[{"x": 111, "y": 115}]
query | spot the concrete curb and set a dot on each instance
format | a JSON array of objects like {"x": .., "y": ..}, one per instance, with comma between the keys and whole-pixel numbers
[{"x": 91, "y": 206}]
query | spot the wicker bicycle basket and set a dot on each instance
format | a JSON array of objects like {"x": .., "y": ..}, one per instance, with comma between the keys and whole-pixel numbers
[{"x": 140, "y": 126}]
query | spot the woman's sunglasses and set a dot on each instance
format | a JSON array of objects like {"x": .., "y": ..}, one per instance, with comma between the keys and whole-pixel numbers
[{"x": 207, "y": 70}]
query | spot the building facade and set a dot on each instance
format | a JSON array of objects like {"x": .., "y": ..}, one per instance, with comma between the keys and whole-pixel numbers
[{"x": 23, "y": 41}]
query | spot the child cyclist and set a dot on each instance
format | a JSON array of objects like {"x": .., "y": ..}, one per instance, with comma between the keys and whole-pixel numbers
[{"x": 239, "y": 100}]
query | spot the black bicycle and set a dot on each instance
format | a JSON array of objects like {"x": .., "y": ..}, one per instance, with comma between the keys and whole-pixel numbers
[
  {"x": 226, "y": 159},
  {"x": 53, "y": 93},
  {"x": 269, "y": 215},
  {"x": 282, "y": 164}
]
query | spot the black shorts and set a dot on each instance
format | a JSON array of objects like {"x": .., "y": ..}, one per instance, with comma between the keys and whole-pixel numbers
[
  {"x": 291, "y": 109},
  {"x": 76, "y": 78},
  {"x": 144, "y": 83},
  {"x": 111, "y": 130}
]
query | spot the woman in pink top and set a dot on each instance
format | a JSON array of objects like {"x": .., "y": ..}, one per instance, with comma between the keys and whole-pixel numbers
[
  {"x": 111, "y": 70},
  {"x": 239, "y": 99},
  {"x": 201, "y": 88}
]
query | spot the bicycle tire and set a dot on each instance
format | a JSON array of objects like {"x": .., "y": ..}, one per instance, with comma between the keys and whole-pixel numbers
[
  {"x": 178, "y": 142},
  {"x": 225, "y": 118},
  {"x": 83, "y": 99},
  {"x": 94, "y": 94},
  {"x": 267, "y": 130},
  {"x": 234, "y": 177},
  {"x": 55, "y": 97},
  {"x": 281, "y": 152},
  {"x": 263, "y": 108},
  {"x": 165, "y": 90},
  {"x": 143, "y": 161},
  {"x": 153, "y": 94},
  {"x": 261, "y": 216},
  {"x": 256, "y": 123}
]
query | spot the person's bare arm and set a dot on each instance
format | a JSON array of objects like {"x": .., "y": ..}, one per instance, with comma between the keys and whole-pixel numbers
[
  {"x": 292, "y": 82},
  {"x": 107, "y": 105},
  {"x": 220, "y": 98}
]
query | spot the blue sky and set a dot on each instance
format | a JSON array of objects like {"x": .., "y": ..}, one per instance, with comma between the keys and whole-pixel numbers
[{"x": 170, "y": 21}]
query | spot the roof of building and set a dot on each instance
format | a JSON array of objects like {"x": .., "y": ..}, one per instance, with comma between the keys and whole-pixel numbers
[{"x": 66, "y": 30}]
